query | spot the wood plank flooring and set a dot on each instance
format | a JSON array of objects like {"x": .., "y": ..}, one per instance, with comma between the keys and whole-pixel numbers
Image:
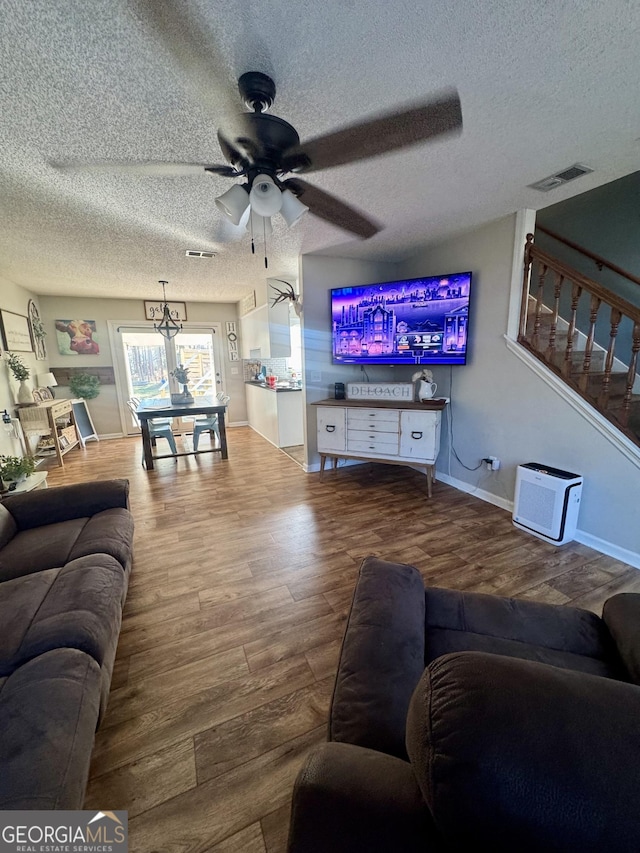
[{"x": 242, "y": 579}]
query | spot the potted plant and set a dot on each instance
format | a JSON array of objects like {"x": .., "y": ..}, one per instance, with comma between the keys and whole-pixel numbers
[
  {"x": 21, "y": 374},
  {"x": 84, "y": 385},
  {"x": 14, "y": 469}
]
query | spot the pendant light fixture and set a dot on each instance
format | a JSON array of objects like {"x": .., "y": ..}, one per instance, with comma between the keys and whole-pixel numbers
[{"x": 167, "y": 327}]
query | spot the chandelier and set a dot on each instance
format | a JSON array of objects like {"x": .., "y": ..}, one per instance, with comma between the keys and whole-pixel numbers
[{"x": 167, "y": 326}]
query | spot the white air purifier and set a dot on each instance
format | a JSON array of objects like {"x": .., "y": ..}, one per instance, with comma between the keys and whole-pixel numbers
[{"x": 547, "y": 502}]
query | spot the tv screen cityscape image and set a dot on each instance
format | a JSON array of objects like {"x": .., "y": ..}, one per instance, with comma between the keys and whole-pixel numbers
[{"x": 415, "y": 321}]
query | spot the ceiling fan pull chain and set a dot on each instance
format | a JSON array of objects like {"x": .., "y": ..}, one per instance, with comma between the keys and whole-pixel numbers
[
  {"x": 264, "y": 234},
  {"x": 253, "y": 248}
]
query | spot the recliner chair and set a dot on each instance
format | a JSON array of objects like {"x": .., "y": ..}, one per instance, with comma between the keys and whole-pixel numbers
[{"x": 521, "y": 734}]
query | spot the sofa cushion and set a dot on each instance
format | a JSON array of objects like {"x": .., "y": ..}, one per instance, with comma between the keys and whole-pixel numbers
[
  {"x": 48, "y": 714},
  {"x": 107, "y": 532},
  {"x": 39, "y": 548},
  {"x": 621, "y": 615},
  {"x": 513, "y": 755},
  {"x": 562, "y": 636},
  {"x": 382, "y": 658},
  {"x": 77, "y": 606},
  {"x": 8, "y": 526}
]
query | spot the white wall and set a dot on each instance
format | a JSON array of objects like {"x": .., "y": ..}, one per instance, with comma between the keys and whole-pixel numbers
[
  {"x": 501, "y": 408},
  {"x": 16, "y": 299},
  {"x": 318, "y": 274},
  {"x": 105, "y": 408}
]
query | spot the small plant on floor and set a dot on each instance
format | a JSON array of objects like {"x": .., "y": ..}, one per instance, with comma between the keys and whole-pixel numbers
[
  {"x": 84, "y": 385},
  {"x": 17, "y": 367},
  {"x": 12, "y": 468}
]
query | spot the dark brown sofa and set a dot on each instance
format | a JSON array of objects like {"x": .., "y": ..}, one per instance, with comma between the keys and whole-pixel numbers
[
  {"x": 462, "y": 721},
  {"x": 65, "y": 560}
]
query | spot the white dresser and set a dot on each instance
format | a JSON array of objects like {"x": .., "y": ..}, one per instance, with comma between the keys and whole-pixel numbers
[{"x": 396, "y": 433}]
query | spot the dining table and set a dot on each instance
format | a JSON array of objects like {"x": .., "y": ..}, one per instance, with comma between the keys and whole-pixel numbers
[{"x": 163, "y": 408}]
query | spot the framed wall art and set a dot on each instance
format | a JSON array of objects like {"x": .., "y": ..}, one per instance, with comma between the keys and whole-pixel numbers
[
  {"x": 155, "y": 310},
  {"x": 15, "y": 332},
  {"x": 77, "y": 337},
  {"x": 37, "y": 331}
]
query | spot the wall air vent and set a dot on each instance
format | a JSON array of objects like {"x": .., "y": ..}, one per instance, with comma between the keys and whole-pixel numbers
[
  {"x": 560, "y": 178},
  {"x": 192, "y": 253}
]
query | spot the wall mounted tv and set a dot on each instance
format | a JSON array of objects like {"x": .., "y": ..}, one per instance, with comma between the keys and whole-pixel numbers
[{"x": 421, "y": 321}]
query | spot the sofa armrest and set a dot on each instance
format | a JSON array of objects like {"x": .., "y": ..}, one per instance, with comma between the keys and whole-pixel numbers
[
  {"x": 62, "y": 503},
  {"x": 519, "y": 755},
  {"x": 382, "y": 658},
  {"x": 621, "y": 615},
  {"x": 347, "y": 798}
]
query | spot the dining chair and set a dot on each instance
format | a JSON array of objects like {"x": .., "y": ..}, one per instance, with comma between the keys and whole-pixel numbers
[
  {"x": 208, "y": 423},
  {"x": 158, "y": 428}
]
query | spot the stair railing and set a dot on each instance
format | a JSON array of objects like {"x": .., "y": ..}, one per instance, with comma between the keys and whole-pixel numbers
[{"x": 555, "y": 289}]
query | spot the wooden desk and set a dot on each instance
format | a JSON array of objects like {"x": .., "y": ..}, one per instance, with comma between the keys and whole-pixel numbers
[{"x": 150, "y": 409}]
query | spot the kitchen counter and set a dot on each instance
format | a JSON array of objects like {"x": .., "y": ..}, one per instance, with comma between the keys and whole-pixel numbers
[
  {"x": 268, "y": 387},
  {"x": 275, "y": 416}
]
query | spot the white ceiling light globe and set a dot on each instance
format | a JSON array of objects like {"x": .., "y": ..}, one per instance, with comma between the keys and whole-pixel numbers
[{"x": 265, "y": 197}]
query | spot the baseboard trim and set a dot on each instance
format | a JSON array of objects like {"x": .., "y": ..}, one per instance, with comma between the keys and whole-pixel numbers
[
  {"x": 488, "y": 497},
  {"x": 609, "y": 549}
]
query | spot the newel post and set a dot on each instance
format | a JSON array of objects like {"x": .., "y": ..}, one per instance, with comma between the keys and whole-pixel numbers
[{"x": 525, "y": 285}]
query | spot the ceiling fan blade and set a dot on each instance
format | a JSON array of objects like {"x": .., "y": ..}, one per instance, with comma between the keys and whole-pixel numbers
[
  {"x": 376, "y": 136},
  {"x": 200, "y": 59},
  {"x": 157, "y": 169},
  {"x": 332, "y": 209}
]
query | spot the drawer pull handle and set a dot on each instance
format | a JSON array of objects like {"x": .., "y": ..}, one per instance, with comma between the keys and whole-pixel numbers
[
  {"x": 415, "y": 434},
  {"x": 330, "y": 427},
  {"x": 371, "y": 448}
]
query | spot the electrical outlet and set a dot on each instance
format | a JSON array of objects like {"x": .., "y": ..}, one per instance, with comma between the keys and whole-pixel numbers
[{"x": 492, "y": 463}]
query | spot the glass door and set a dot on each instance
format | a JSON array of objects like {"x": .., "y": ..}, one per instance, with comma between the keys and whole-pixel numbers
[{"x": 145, "y": 360}]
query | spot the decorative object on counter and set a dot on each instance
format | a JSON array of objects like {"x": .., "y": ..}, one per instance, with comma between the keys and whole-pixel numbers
[
  {"x": 181, "y": 375},
  {"x": 77, "y": 337},
  {"x": 38, "y": 333},
  {"x": 289, "y": 293},
  {"x": 46, "y": 383},
  {"x": 14, "y": 469},
  {"x": 21, "y": 374},
  {"x": 426, "y": 387},
  {"x": 15, "y": 332},
  {"x": 168, "y": 325},
  {"x": 84, "y": 385}
]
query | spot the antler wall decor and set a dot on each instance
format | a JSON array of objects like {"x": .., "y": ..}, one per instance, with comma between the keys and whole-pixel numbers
[{"x": 289, "y": 294}]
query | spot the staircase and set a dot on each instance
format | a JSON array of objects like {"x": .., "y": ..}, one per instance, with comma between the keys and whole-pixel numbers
[{"x": 585, "y": 334}]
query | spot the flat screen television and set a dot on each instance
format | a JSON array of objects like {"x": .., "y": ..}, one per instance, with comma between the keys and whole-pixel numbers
[{"x": 421, "y": 321}]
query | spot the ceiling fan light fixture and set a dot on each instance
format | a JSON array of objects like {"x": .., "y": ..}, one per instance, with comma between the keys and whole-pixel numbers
[
  {"x": 265, "y": 197},
  {"x": 259, "y": 226},
  {"x": 234, "y": 203},
  {"x": 292, "y": 208}
]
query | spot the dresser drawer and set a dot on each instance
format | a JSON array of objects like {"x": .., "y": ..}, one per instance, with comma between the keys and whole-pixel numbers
[
  {"x": 384, "y": 444},
  {"x": 380, "y": 420},
  {"x": 387, "y": 438}
]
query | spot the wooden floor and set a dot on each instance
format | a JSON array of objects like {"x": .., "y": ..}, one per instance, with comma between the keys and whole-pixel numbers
[{"x": 242, "y": 577}]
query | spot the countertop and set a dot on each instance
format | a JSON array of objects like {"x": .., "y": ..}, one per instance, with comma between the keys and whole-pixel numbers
[{"x": 277, "y": 389}]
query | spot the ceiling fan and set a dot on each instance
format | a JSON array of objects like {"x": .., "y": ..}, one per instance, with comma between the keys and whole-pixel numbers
[{"x": 266, "y": 150}]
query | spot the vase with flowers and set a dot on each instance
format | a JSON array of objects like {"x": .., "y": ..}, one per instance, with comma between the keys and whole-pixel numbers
[
  {"x": 426, "y": 387},
  {"x": 181, "y": 375},
  {"x": 21, "y": 374}
]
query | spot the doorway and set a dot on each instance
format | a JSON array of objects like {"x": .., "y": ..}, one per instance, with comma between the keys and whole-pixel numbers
[{"x": 144, "y": 360}]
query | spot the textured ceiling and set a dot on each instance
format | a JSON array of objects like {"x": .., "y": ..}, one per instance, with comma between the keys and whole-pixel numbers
[{"x": 542, "y": 85}]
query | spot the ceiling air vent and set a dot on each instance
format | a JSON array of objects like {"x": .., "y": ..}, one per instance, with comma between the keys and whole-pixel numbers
[
  {"x": 191, "y": 253},
  {"x": 553, "y": 181}
]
